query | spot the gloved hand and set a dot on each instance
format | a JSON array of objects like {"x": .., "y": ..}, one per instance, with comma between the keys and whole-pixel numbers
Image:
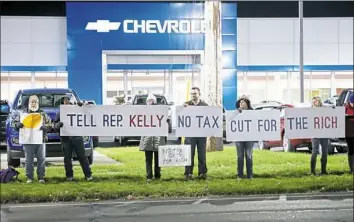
[
  {"x": 43, "y": 128},
  {"x": 240, "y": 110},
  {"x": 80, "y": 104},
  {"x": 59, "y": 125},
  {"x": 19, "y": 125}
]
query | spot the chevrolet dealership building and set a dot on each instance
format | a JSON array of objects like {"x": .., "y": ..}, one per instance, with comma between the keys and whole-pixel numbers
[{"x": 108, "y": 49}]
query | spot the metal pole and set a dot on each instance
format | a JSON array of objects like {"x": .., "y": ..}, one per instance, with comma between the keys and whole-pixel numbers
[{"x": 301, "y": 51}]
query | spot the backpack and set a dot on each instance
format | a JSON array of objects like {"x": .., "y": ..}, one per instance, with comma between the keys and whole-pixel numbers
[{"x": 8, "y": 175}]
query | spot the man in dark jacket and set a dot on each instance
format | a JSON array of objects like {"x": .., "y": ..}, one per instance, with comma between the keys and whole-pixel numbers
[
  {"x": 70, "y": 144},
  {"x": 199, "y": 142}
]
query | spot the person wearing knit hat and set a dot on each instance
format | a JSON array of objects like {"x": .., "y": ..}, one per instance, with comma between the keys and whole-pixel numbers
[
  {"x": 349, "y": 111},
  {"x": 150, "y": 145}
]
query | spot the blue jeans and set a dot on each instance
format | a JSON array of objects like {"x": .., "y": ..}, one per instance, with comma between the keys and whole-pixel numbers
[
  {"x": 31, "y": 151},
  {"x": 316, "y": 142},
  {"x": 244, "y": 150}
]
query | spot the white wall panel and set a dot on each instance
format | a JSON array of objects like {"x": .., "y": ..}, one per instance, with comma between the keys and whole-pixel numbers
[
  {"x": 346, "y": 53},
  {"x": 15, "y": 29},
  {"x": 33, "y": 41},
  {"x": 244, "y": 35},
  {"x": 346, "y": 30},
  {"x": 48, "y": 30},
  {"x": 320, "y": 53},
  {"x": 243, "y": 53},
  {"x": 50, "y": 54},
  {"x": 271, "y": 31},
  {"x": 324, "y": 30},
  {"x": 269, "y": 53},
  {"x": 16, "y": 54},
  {"x": 327, "y": 41}
]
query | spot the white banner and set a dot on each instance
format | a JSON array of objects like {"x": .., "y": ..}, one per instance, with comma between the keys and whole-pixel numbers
[
  {"x": 253, "y": 125},
  {"x": 113, "y": 120},
  {"x": 320, "y": 122},
  {"x": 31, "y": 133},
  {"x": 199, "y": 121},
  {"x": 175, "y": 155}
]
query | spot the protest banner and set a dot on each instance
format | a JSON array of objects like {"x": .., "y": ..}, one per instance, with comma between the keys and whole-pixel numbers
[
  {"x": 319, "y": 122},
  {"x": 31, "y": 133},
  {"x": 199, "y": 121},
  {"x": 112, "y": 120},
  {"x": 174, "y": 155},
  {"x": 253, "y": 125}
]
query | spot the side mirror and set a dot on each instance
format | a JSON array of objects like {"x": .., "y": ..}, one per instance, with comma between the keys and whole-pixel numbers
[{"x": 171, "y": 103}]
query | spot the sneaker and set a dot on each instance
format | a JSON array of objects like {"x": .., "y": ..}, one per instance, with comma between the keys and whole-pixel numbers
[
  {"x": 41, "y": 181},
  {"x": 324, "y": 173},
  {"x": 89, "y": 178},
  {"x": 202, "y": 176},
  {"x": 148, "y": 180},
  {"x": 29, "y": 180},
  {"x": 188, "y": 177},
  {"x": 69, "y": 179}
]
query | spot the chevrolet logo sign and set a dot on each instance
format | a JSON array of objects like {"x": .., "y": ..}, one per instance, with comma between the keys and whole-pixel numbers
[{"x": 103, "y": 26}]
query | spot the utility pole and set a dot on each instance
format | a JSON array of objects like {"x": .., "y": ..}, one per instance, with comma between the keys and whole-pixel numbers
[{"x": 301, "y": 51}]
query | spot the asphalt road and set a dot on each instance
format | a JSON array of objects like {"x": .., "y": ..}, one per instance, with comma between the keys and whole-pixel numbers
[{"x": 324, "y": 207}]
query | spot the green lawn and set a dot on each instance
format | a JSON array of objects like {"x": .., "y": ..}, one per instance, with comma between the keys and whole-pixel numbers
[{"x": 275, "y": 172}]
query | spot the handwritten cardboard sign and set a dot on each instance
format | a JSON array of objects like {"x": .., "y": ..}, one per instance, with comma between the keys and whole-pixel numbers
[{"x": 174, "y": 155}]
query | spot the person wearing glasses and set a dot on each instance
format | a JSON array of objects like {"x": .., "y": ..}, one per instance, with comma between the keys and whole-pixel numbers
[
  {"x": 316, "y": 142},
  {"x": 199, "y": 142}
]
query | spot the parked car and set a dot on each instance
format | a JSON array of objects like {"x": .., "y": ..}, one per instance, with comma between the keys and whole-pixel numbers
[
  {"x": 331, "y": 101},
  {"x": 289, "y": 145},
  {"x": 340, "y": 144},
  {"x": 49, "y": 100},
  {"x": 141, "y": 100},
  {"x": 89, "y": 102},
  {"x": 5, "y": 111},
  {"x": 95, "y": 139}
]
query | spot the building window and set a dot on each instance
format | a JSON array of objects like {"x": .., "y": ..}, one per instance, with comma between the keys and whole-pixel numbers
[{"x": 111, "y": 94}]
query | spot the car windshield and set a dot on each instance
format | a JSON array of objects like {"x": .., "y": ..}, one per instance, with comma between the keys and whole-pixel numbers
[
  {"x": 141, "y": 100},
  {"x": 5, "y": 108},
  {"x": 46, "y": 100}
]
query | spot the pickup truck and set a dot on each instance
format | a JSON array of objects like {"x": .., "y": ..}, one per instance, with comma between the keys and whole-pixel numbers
[
  {"x": 49, "y": 101},
  {"x": 340, "y": 144}
]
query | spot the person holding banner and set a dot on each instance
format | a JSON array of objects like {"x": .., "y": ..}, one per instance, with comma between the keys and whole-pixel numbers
[
  {"x": 349, "y": 111},
  {"x": 35, "y": 150},
  {"x": 316, "y": 142},
  {"x": 150, "y": 145},
  {"x": 244, "y": 148},
  {"x": 71, "y": 143},
  {"x": 199, "y": 142}
]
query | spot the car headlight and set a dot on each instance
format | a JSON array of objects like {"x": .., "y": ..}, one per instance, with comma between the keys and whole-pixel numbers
[
  {"x": 86, "y": 139},
  {"x": 14, "y": 140}
]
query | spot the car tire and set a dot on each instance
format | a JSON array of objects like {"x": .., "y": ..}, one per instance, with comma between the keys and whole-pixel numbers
[
  {"x": 341, "y": 149},
  {"x": 95, "y": 141},
  {"x": 121, "y": 141},
  {"x": 262, "y": 146},
  {"x": 12, "y": 162},
  {"x": 331, "y": 149},
  {"x": 287, "y": 147}
]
